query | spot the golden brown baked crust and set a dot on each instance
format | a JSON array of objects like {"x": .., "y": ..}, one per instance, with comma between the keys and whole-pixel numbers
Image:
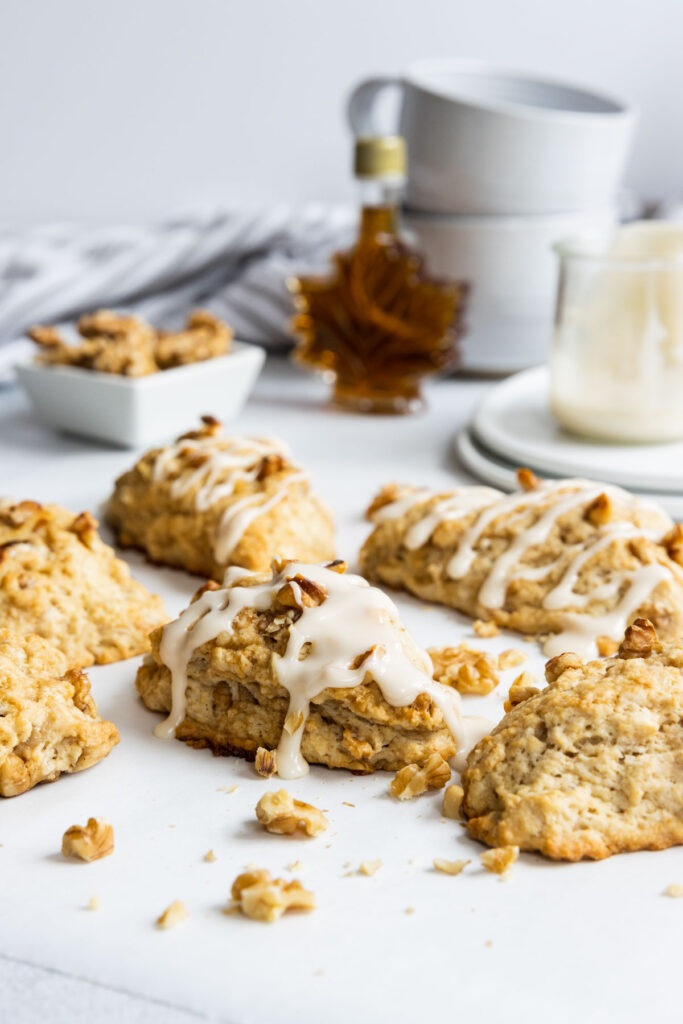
[
  {"x": 590, "y": 766},
  {"x": 423, "y": 570},
  {"x": 59, "y": 580},
  {"x": 126, "y": 345},
  {"x": 235, "y": 704},
  {"x": 48, "y": 720},
  {"x": 147, "y": 511}
]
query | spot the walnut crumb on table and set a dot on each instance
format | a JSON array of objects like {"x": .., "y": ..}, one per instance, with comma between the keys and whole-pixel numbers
[
  {"x": 452, "y": 801},
  {"x": 485, "y": 629},
  {"x": 500, "y": 859},
  {"x": 94, "y": 903},
  {"x": 450, "y": 867},
  {"x": 174, "y": 915},
  {"x": 467, "y": 670},
  {"x": 511, "y": 659},
  {"x": 258, "y": 895},
  {"x": 280, "y": 813},
  {"x": 412, "y": 780},
  {"x": 210, "y": 857},
  {"x": 89, "y": 842},
  {"x": 675, "y": 891},
  {"x": 265, "y": 762}
]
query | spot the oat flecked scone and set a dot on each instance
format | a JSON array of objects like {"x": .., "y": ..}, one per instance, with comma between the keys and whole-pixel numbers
[
  {"x": 60, "y": 580},
  {"x": 306, "y": 662},
  {"x": 48, "y": 719},
  {"x": 568, "y": 560},
  {"x": 593, "y": 764},
  {"x": 211, "y": 500}
]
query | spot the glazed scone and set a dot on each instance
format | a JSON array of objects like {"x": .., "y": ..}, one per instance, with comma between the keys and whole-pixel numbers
[
  {"x": 58, "y": 579},
  {"x": 211, "y": 500},
  {"x": 569, "y": 560},
  {"x": 593, "y": 764},
  {"x": 306, "y": 660},
  {"x": 48, "y": 720}
]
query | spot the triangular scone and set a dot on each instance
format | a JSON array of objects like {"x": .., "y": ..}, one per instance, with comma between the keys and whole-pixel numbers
[
  {"x": 60, "y": 580},
  {"x": 570, "y": 560},
  {"x": 48, "y": 720},
  {"x": 209, "y": 501},
  {"x": 593, "y": 764},
  {"x": 307, "y": 660}
]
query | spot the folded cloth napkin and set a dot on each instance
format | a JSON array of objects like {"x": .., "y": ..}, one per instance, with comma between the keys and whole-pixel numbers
[{"x": 235, "y": 263}]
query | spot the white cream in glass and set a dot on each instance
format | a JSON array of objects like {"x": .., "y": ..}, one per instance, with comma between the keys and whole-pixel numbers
[{"x": 617, "y": 362}]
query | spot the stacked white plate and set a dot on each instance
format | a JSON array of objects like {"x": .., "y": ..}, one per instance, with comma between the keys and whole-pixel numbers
[{"x": 513, "y": 427}]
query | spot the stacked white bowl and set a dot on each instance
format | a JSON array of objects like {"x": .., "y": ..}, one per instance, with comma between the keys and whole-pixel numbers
[{"x": 501, "y": 166}]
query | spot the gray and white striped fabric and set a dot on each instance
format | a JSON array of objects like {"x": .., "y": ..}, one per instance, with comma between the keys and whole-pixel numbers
[{"x": 233, "y": 262}]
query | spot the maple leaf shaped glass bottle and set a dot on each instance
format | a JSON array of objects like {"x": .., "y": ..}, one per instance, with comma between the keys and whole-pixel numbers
[{"x": 378, "y": 323}]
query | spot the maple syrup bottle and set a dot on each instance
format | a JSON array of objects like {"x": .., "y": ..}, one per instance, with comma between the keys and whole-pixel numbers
[{"x": 378, "y": 324}]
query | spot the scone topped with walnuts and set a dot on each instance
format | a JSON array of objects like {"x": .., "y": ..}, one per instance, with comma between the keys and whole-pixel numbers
[
  {"x": 307, "y": 662},
  {"x": 593, "y": 764},
  {"x": 570, "y": 560},
  {"x": 59, "y": 580},
  {"x": 48, "y": 720},
  {"x": 212, "y": 500}
]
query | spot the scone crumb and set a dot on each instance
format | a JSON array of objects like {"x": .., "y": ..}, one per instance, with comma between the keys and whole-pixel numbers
[
  {"x": 511, "y": 659},
  {"x": 347, "y": 804},
  {"x": 296, "y": 865},
  {"x": 500, "y": 859},
  {"x": 227, "y": 789},
  {"x": 280, "y": 813},
  {"x": 265, "y": 762},
  {"x": 450, "y": 867},
  {"x": 94, "y": 903},
  {"x": 485, "y": 629},
  {"x": 258, "y": 895},
  {"x": 606, "y": 646},
  {"x": 412, "y": 780},
  {"x": 465, "y": 669},
  {"x": 521, "y": 689},
  {"x": 409, "y": 910},
  {"x": 89, "y": 842},
  {"x": 174, "y": 915},
  {"x": 676, "y": 891},
  {"x": 452, "y": 801},
  {"x": 369, "y": 867},
  {"x": 210, "y": 857}
]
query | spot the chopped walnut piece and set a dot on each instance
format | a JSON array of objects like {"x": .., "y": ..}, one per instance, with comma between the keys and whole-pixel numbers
[
  {"x": 675, "y": 891},
  {"x": 174, "y": 915},
  {"x": 293, "y": 721},
  {"x": 452, "y": 801},
  {"x": 338, "y": 565},
  {"x": 673, "y": 542},
  {"x": 413, "y": 780},
  {"x": 260, "y": 896},
  {"x": 500, "y": 859},
  {"x": 282, "y": 814},
  {"x": 606, "y": 646},
  {"x": 265, "y": 762},
  {"x": 369, "y": 867},
  {"x": 450, "y": 867},
  {"x": 210, "y": 857},
  {"x": 468, "y": 671},
  {"x": 85, "y": 528},
  {"x": 522, "y": 688},
  {"x": 485, "y": 629},
  {"x": 94, "y": 903},
  {"x": 89, "y": 842},
  {"x": 300, "y": 592},
  {"x": 271, "y": 464},
  {"x": 559, "y": 664},
  {"x": 511, "y": 659},
  {"x": 527, "y": 480},
  {"x": 639, "y": 641},
  {"x": 600, "y": 510}
]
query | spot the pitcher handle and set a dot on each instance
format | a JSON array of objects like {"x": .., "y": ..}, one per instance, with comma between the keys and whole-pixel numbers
[{"x": 361, "y": 104}]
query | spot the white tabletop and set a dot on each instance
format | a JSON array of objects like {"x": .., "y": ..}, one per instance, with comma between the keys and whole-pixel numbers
[{"x": 593, "y": 942}]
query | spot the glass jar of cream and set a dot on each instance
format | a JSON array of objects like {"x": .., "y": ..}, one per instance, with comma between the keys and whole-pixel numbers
[{"x": 617, "y": 361}]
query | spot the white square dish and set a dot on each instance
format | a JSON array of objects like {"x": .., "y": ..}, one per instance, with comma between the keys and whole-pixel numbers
[{"x": 133, "y": 412}]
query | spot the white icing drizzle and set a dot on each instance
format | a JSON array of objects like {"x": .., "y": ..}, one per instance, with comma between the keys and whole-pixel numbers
[
  {"x": 581, "y": 630},
  {"x": 226, "y": 461},
  {"x": 322, "y": 646}
]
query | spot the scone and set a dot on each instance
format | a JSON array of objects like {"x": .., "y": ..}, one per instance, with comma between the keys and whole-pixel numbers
[
  {"x": 593, "y": 764},
  {"x": 48, "y": 720},
  {"x": 570, "y": 560},
  {"x": 211, "y": 500},
  {"x": 60, "y": 580},
  {"x": 306, "y": 660}
]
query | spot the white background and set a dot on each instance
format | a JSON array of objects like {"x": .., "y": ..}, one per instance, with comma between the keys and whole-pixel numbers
[{"x": 116, "y": 109}]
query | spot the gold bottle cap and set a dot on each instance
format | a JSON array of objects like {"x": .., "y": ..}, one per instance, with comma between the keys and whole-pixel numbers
[{"x": 380, "y": 157}]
